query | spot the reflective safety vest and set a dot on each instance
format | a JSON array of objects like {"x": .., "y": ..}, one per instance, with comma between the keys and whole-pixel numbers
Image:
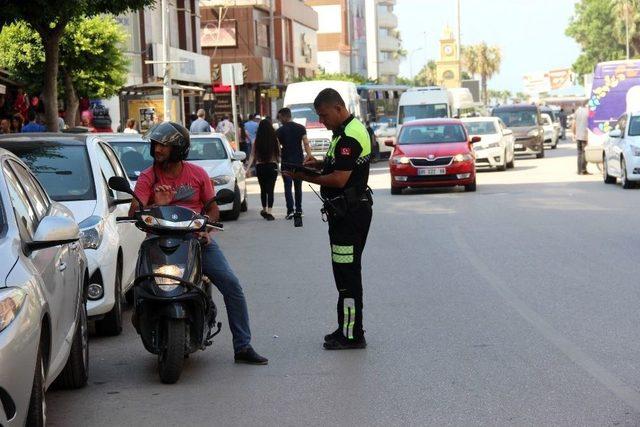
[{"x": 356, "y": 130}]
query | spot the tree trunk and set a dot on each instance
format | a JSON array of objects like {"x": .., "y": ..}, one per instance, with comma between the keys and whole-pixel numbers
[
  {"x": 51, "y": 42},
  {"x": 71, "y": 101},
  {"x": 483, "y": 83}
]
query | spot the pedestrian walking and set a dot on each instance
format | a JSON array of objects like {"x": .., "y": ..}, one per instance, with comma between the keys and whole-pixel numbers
[
  {"x": 200, "y": 124},
  {"x": 562, "y": 117},
  {"x": 226, "y": 127},
  {"x": 293, "y": 138},
  {"x": 131, "y": 126},
  {"x": 579, "y": 129},
  {"x": 347, "y": 203},
  {"x": 266, "y": 156}
]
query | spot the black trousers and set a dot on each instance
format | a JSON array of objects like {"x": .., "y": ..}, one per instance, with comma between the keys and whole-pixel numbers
[
  {"x": 582, "y": 162},
  {"x": 297, "y": 187},
  {"x": 267, "y": 174},
  {"x": 348, "y": 236}
]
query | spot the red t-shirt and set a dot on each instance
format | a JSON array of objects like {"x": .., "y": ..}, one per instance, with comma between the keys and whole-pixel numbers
[{"x": 192, "y": 176}]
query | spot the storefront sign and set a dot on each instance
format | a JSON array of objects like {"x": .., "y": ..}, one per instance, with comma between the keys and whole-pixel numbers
[
  {"x": 193, "y": 67},
  {"x": 150, "y": 111},
  {"x": 219, "y": 33}
]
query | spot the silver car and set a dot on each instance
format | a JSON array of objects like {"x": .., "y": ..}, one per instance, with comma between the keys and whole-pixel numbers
[{"x": 43, "y": 278}]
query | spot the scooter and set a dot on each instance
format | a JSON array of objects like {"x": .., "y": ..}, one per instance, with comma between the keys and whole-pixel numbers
[{"x": 174, "y": 312}]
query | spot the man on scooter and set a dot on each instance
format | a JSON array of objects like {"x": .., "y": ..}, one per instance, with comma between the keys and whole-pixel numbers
[{"x": 158, "y": 185}]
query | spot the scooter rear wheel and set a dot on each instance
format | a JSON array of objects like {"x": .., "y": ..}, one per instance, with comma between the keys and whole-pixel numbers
[{"x": 171, "y": 359}]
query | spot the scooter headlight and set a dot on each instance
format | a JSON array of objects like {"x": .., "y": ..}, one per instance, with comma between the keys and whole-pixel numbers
[{"x": 164, "y": 283}]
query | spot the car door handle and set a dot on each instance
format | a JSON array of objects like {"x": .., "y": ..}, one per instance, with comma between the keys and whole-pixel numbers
[{"x": 62, "y": 266}]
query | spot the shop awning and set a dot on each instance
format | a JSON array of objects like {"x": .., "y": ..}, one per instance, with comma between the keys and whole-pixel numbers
[{"x": 156, "y": 87}]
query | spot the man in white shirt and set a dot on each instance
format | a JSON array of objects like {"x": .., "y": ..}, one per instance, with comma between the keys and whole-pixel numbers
[{"x": 579, "y": 129}]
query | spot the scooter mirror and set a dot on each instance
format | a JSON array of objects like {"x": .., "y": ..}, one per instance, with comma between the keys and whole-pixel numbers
[{"x": 121, "y": 184}]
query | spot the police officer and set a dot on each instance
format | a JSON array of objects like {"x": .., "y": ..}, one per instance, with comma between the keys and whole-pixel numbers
[{"x": 347, "y": 203}]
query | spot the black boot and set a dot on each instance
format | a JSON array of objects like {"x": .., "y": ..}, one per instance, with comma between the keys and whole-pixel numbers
[
  {"x": 342, "y": 343},
  {"x": 248, "y": 355}
]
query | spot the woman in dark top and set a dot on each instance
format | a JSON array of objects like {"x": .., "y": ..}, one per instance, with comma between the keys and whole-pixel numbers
[{"x": 265, "y": 153}]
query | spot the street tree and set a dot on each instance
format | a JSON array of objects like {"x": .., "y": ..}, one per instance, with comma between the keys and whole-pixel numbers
[
  {"x": 595, "y": 27},
  {"x": 92, "y": 63},
  {"x": 427, "y": 75},
  {"x": 49, "y": 18},
  {"x": 483, "y": 60}
]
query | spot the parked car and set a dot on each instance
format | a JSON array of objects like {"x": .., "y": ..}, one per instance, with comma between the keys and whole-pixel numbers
[
  {"x": 43, "y": 313},
  {"x": 433, "y": 153},
  {"x": 524, "y": 121},
  {"x": 551, "y": 132},
  {"x": 224, "y": 166},
  {"x": 384, "y": 130},
  {"x": 74, "y": 169},
  {"x": 134, "y": 152},
  {"x": 621, "y": 152},
  {"x": 496, "y": 148}
]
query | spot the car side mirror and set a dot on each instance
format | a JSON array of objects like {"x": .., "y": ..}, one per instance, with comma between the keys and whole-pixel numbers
[
  {"x": 239, "y": 155},
  {"x": 616, "y": 133},
  {"x": 475, "y": 139},
  {"x": 54, "y": 231},
  {"x": 120, "y": 183},
  {"x": 389, "y": 143},
  {"x": 507, "y": 132}
]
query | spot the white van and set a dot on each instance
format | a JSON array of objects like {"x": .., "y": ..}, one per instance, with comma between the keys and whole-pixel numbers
[
  {"x": 299, "y": 99},
  {"x": 423, "y": 103},
  {"x": 462, "y": 104}
]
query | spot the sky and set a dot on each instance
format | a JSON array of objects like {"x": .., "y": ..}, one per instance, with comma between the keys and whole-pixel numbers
[{"x": 530, "y": 34}]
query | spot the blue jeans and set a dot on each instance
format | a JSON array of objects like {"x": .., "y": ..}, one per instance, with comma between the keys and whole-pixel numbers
[
  {"x": 297, "y": 185},
  {"x": 216, "y": 267}
]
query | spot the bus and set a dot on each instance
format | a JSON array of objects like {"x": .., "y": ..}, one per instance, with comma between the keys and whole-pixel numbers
[
  {"x": 380, "y": 108},
  {"x": 299, "y": 99},
  {"x": 615, "y": 90}
]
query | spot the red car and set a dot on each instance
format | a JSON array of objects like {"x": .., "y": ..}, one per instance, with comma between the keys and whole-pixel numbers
[{"x": 432, "y": 153}]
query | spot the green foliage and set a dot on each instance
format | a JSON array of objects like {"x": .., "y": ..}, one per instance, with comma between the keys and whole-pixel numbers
[
  {"x": 89, "y": 53},
  {"x": 322, "y": 75},
  {"x": 427, "y": 75},
  {"x": 595, "y": 27},
  {"x": 484, "y": 60}
]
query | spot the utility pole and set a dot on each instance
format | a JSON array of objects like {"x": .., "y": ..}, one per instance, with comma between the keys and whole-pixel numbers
[
  {"x": 166, "y": 83},
  {"x": 272, "y": 51}
]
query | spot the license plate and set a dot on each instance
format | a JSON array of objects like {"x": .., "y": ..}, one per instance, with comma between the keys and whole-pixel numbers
[
  {"x": 517, "y": 146},
  {"x": 432, "y": 171}
]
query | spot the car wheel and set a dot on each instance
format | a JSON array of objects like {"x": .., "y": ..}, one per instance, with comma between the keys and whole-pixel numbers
[
  {"x": 111, "y": 324},
  {"x": 608, "y": 179},
  {"x": 511, "y": 164},
  {"x": 243, "y": 206},
  {"x": 234, "y": 214},
  {"x": 626, "y": 184},
  {"x": 470, "y": 187},
  {"x": 555, "y": 145},
  {"x": 540, "y": 155},
  {"x": 76, "y": 371},
  {"x": 503, "y": 166},
  {"x": 37, "y": 415},
  {"x": 396, "y": 190}
]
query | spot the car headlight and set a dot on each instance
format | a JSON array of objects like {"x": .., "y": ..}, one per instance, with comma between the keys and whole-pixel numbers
[
  {"x": 462, "y": 157},
  {"x": 164, "y": 283},
  {"x": 493, "y": 145},
  {"x": 400, "y": 160},
  {"x": 534, "y": 132},
  {"x": 635, "y": 150},
  {"x": 11, "y": 299},
  {"x": 221, "y": 179},
  {"x": 91, "y": 232}
]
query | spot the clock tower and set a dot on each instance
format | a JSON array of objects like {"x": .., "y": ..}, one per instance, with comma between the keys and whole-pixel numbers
[{"x": 448, "y": 67}]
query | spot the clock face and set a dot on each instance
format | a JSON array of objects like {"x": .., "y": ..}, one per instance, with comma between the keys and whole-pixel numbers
[{"x": 448, "y": 49}]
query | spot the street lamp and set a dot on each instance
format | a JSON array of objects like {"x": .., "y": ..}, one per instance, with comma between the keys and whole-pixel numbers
[{"x": 411, "y": 61}]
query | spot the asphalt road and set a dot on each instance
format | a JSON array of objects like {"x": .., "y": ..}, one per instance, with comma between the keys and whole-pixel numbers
[{"x": 515, "y": 305}]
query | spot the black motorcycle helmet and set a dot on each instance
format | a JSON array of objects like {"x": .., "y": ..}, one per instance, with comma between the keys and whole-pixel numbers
[{"x": 171, "y": 134}]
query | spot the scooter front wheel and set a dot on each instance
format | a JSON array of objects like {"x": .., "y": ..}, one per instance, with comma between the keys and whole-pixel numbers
[{"x": 171, "y": 358}]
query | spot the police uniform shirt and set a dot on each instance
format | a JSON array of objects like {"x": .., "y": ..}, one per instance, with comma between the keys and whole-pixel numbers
[{"x": 350, "y": 150}]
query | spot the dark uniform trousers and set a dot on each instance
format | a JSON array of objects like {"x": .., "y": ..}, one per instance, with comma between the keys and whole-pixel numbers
[{"x": 348, "y": 235}]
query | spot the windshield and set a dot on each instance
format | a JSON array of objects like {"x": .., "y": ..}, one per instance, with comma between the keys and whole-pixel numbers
[
  {"x": 416, "y": 112},
  {"x": 135, "y": 156},
  {"x": 304, "y": 114},
  {"x": 518, "y": 118},
  {"x": 207, "y": 149},
  {"x": 63, "y": 170},
  {"x": 481, "y": 128},
  {"x": 431, "y": 134},
  {"x": 634, "y": 126}
]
